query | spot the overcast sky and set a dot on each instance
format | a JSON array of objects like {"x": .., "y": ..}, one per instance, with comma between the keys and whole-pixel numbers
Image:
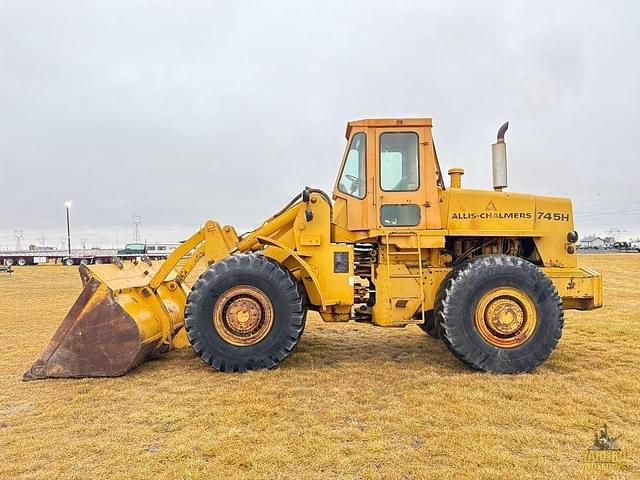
[{"x": 184, "y": 111}]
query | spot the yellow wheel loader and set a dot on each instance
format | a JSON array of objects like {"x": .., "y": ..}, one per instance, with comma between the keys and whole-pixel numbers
[{"x": 488, "y": 272}]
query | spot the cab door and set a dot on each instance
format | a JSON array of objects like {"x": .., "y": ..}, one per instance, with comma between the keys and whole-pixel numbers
[
  {"x": 353, "y": 189},
  {"x": 401, "y": 200}
]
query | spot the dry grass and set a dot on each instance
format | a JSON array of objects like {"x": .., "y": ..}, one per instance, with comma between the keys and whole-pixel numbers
[{"x": 352, "y": 402}]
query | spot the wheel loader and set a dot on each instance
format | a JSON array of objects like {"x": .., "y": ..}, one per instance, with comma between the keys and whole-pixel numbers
[{"x": 489, "y": 272}]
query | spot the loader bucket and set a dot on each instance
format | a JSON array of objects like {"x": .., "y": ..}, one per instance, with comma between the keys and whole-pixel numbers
[{"x": 116, "y": 323}]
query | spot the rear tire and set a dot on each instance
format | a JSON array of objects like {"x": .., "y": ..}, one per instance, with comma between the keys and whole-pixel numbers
[
  {"x": 68, "y": 262},
  {"x": 245, "y": 313},
  {"x": 429, "y": 326},
  {"x": 22, "y": 262},
  {"x": 8, "y": 262},
  {"x": 500, "y": 314}
]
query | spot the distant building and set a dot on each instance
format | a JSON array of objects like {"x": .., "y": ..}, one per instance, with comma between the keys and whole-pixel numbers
[{"x": 593, "y": 242}]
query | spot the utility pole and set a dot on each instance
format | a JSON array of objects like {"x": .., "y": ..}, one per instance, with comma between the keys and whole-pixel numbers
[
  {"x": 67, "y": 206},
  {"x": 18, "y": 234}
]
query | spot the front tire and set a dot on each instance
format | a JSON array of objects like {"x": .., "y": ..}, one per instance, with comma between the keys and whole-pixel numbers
[
  {"x": 245, "y": 313},
  {"x": 500, "y": 314}
]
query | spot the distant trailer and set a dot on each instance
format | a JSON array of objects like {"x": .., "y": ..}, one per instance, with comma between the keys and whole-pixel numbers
[
  {"x": 154, "y": 251},
  {"x": 36, "y": 257},
  {"x": 94, "y": 256},
  {"x": 159, "y": 251}
]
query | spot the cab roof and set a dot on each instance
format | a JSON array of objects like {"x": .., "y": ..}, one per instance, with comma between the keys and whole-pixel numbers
[{"x": 388, "y": 122}]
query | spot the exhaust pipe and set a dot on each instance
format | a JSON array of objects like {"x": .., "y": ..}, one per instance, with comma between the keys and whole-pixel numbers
[{"x": 499, "y": 160}]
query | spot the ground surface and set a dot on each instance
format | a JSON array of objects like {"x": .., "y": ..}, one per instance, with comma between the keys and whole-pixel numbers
[{"x": 352, "y": 402}]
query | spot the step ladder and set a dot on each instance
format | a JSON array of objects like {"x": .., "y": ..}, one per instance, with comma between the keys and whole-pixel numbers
[{"x": 419, "y": 275}]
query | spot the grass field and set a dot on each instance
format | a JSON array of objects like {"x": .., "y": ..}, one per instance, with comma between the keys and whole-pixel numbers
[{"x": 352, "y": 402}]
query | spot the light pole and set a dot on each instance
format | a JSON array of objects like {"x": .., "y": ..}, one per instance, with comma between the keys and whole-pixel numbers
[{"x": 67, "y": 206}]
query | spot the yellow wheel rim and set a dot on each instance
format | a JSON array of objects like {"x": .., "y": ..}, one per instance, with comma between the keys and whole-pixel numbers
[
  {"x": 243, "y": 315},
  {"x": 506, "y": 317}
]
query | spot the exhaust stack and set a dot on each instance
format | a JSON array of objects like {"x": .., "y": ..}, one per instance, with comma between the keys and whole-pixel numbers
[{"x": 499, "y": 160}]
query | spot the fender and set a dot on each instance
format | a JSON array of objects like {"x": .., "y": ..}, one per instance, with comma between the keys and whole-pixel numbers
[{"x": 306, "y": 268}]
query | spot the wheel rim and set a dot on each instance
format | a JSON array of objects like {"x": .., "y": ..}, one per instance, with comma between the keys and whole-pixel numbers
[
  {"x": 243, "y": 315},
  {"x": 506, "y": 317}
]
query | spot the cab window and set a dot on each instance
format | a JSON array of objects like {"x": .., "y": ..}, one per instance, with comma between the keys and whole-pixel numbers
[
  {"x": 399, "y": 170},
  {"x": 353, "y": 179}
]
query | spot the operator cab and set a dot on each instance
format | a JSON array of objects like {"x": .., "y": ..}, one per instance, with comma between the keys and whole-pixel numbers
[{"x": 389, "y": 176}]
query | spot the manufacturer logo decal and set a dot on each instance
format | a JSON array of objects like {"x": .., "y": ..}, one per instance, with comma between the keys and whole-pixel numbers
[{"x": 490, "y": 215}]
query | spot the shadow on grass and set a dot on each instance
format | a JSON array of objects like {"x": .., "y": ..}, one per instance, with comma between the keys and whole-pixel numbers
[{"x": 335, "y": 348}]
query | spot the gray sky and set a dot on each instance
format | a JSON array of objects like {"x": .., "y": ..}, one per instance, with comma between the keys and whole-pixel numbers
[{"x": 184, "y": 111}]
